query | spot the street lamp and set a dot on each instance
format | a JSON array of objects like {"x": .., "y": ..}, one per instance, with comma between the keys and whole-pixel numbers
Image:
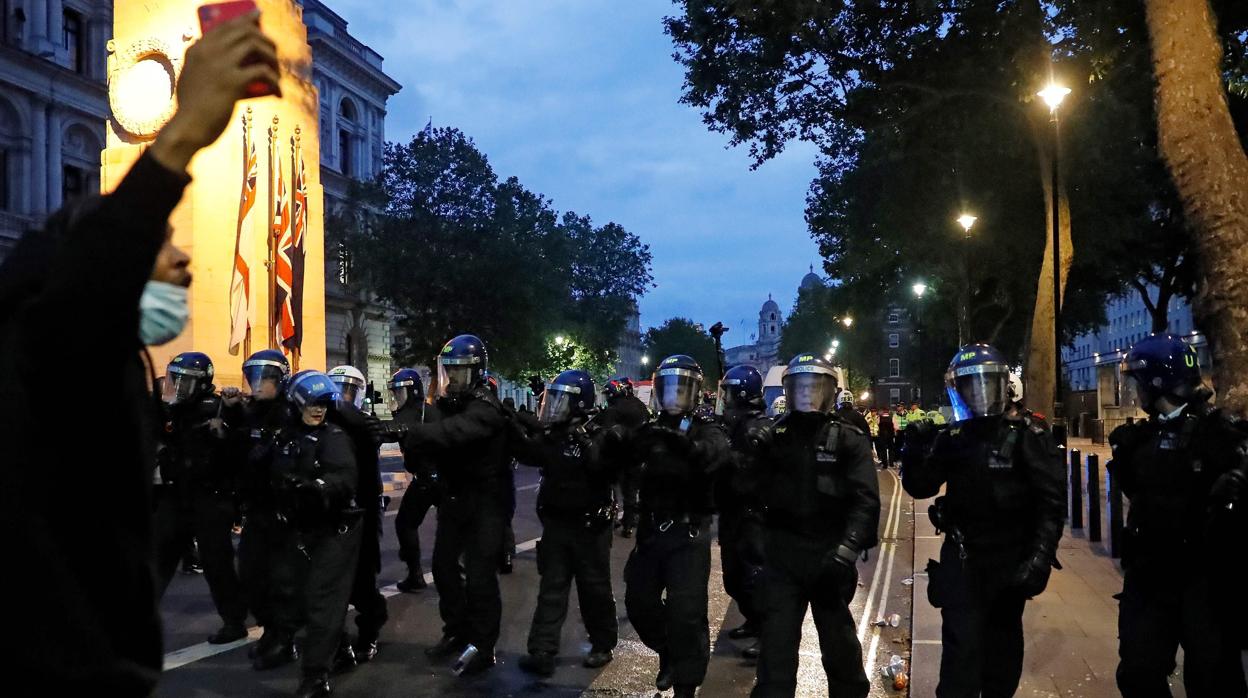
[
  {"x": 919, "y": 289},
  {"x": 645, "y": 360},
  {"x": 1053, "y": 95},
  {"x": 559, "y": 340},
  {"x": 836, "y": 343},
  {"x": 967, "y": 221},
  {"x": 847, "y": 321}
]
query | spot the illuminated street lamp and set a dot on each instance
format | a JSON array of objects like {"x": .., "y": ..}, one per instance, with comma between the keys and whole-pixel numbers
[
  {"x": 919, "y": 288},
  {"x": 847, "y": 321},
  {"x": 836, "y": 343},
  {"x": 966, "y": 220},
  {"x": 645, "y": 360},
  {"x": 1053, "y": 95},
  {"x": 560, "y": 340}
]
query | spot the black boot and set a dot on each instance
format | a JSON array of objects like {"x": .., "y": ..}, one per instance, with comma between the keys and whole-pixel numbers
[
  {"x": 447, "y": 646},
  {"x": 228, "y": 633},
  {"x": 365, "y": 647},
  {"x": 540, "y": 663},
  {"x": 596, "y": 659},
  {"x": 344, "y": 660},
  {"x": 663, "y": 680},
  {"x": 685, "y": 692},
  {"x": 313, "y": 687},
  {"x": 414, "y": 582},
  {"x": 275, "y": 655}
]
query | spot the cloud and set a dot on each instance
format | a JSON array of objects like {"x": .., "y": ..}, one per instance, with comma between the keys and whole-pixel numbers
[{"x": 580, "y": 100}]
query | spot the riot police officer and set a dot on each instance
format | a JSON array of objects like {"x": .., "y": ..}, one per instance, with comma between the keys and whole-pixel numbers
[
  {"x": 676, "y": 456},
  {"x": 314, "y": 479},
  {"x": 199, "y": 481},
  {"x": 576, "y": 507},
  {"x": 408, "y": 408},
  {"x": 846, "y": 412},
  {"x": 823, "y": 512},
  {"x": 625, "y": 409},
  {"x": 365, "y": 432},
  {"x": 1002, "y": 516},
  {"x": 1184, "y": 472},
  {"x": 266, "y": 374},
  {"x": 468, "y": 444},
  {"x": 741, "y": 410}
]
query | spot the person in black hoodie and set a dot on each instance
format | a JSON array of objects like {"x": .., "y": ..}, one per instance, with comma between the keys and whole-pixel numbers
[
  {"x": 408, "y": 407},
  {"x": 576, "y": 507},
  {"x": 468, "y": 444},
  {"x": 196, "y": 496},
  {"x": 314, "y": 480},
  {"x": 89, "y": 619},
  {"x": 366, "y": 434}
]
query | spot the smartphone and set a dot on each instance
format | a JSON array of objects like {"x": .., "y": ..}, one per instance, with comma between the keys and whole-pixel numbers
[{"x": 214, "y": 14}]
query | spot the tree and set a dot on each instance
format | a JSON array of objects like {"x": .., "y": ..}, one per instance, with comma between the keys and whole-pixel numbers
[
  {"x": 1206, "y": 159},
  {"x": 680, "y": 335}
]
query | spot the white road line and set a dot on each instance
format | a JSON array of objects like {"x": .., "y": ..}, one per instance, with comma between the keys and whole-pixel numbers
[
  {"x": 864, "y": 623},
  {"x": 194, "y": 653},
  {"x": 888, "y": 581}
]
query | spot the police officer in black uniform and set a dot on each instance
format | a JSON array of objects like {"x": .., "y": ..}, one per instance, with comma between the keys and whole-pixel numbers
[
  {"x": 625, "y": 409},
  {"x": 741, "y": 409},
  {"x": 266, "y": 411},
  {"x": 576, "y": 507},
  {"x": 846, "y": 412},
  {"x": 1002, "y": 516},
  {"x": 1184, "y": 472},
  {"x": 366, "y": 432},
  {"x": 408, "y": 408},
  {"x": 676, "y": 456},
  {"x": 467, "y": 444},
  {"x": 314, "y": 479},
  {"x": 197, "y": 494},
  {"x": 823, "y": 512}
]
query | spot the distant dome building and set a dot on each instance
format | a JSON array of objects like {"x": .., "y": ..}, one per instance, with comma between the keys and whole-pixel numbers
[{"x": 765, "y": 351}]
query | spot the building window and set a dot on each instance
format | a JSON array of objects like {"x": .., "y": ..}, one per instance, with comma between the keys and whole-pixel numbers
[
  {"x": 893, "y": 319},
  {"x": 894, "y": 340},
  {"x": 894, "y": 395},
  {"x": 894, "y": 368},
  {"x": 72, "y": 36},
  {"x": 73, "y": 183},
  {"x": 773, "y": 317},
  {"x": 344, "y": 153},
  {"x": 773, "y": 329}
]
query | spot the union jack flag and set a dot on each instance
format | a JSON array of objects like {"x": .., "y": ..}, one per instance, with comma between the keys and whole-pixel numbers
[
  {"x": 240, "y": 282},
  {"x": 282, "y": 268},
  {"x": 297, "y": 252}
]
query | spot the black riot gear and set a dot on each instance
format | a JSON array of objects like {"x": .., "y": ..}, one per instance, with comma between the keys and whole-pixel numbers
[
  {"x": 978, "y": 382},
  {"x": 462, "y": 365},
  {"x": 677, "y": 385},
  {"x": 188, "y": 376},
  {"x": 810, "y": 384},
  {"x": 266, "y": 373}
]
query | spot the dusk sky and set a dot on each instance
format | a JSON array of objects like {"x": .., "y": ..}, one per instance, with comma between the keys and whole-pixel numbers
[{"x": 579, "y": 99}]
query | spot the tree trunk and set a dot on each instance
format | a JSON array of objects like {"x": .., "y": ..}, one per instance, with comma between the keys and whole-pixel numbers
[
  {"x": 1200, "y": 147},
  {"x": 1038, "y": 368}
]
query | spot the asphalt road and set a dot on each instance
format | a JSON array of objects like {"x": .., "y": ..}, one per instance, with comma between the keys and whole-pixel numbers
[{"x": 194, "y": 668}]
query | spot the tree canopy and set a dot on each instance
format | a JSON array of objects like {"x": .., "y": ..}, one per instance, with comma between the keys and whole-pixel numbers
[
  {"x": 454, "y": 250},
  {"x": 680, "y": 335}
]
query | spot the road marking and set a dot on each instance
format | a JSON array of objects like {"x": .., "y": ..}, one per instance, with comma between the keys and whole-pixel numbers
[
  {"x": 875, "y": 578},
  {"x": 925, "y": 642},
  {"x": 529, "y": 487},
  {"x": 194, "y": 653},
  {"x": 883, "y": 608}
]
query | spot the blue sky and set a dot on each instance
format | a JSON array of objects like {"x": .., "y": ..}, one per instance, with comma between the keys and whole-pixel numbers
[{"x": 579, "y": 99}]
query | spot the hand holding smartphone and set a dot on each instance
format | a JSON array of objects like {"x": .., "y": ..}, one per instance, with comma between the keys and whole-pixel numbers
[{"x": 215, "y": 14}]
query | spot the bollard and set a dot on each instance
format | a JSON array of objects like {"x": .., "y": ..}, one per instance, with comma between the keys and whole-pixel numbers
[
  {"x": 1115, "y": 515},
  {"x": 1094, "y": 498},
  {"x": 1076, "y": 489}
]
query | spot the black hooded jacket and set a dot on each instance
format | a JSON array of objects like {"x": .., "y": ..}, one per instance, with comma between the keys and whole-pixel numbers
[{"x": 76, "y": 506}]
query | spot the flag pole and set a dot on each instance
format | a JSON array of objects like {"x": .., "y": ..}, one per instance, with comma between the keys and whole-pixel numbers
[
  {"x": 294, "y": 183},
  {"x": 248, "y": 134},
  {"x": 272, "y": 261}
]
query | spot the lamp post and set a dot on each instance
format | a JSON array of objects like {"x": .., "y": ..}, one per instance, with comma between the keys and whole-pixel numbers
[
  {"x": 1053, "y": 96},
  {"x": 965, "y": 220},
  {"x": 919, "y": 288}
]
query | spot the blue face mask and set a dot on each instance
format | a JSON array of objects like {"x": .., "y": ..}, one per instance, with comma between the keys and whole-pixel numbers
[{"x": 163, "y": 312}]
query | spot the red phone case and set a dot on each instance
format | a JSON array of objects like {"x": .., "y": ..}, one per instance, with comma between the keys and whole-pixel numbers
[{"x": 212, "y": 15}]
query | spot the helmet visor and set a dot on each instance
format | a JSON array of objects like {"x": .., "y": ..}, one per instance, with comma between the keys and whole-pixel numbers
[
  {"x": 556, "y": 406},
  {"x": 809, "y": 391},
  {"x": 676, "y": 390},
  {"x": 454, "y": 378},
  {"x": 979, "y": 391},
  {"x": 400, "y": 395},
  {"x": 264, "y": 381},
  {"x": 351, "y": 388},
  {"x": 178, "y": 387}
]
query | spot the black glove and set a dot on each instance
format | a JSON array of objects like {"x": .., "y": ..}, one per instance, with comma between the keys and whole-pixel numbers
[
  {"x": 1033, "y": 575},
  {"x": 839, "y": 569},
  {"x": 375, "y": 428},
  {"x": 1229, "y": 489},
  {"x": 395, "y": 431},
  {"x": 759, "y": 438},
  {"x": 307, "y": 495}
]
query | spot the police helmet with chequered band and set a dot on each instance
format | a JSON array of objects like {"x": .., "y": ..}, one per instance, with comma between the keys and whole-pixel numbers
[
  {"x": 351, "y": 384},
  {"x": 978, "y": 382},
  {"x": 810, "y": 384}
]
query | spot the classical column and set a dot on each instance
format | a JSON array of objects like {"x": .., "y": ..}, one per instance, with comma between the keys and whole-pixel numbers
[
  {"x": 38, "y": 160},
  {"x": 37, "y": 15},
  {"x": 56, "y": 163}
]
